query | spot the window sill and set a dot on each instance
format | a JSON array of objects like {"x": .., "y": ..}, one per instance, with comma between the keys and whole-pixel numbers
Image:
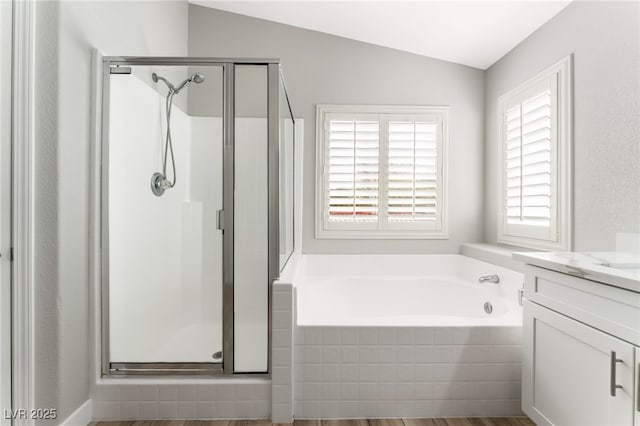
[
  {"x": 500, "y": 255},
  {"x": 380, "y": 235}
]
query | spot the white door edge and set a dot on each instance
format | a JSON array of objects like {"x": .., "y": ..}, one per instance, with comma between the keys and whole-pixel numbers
[
  {"x": 5, "y": 211},
  {"x": 23, "y": 123}
]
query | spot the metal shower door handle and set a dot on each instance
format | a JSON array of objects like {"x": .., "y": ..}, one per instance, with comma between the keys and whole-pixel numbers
[
  {"x": 614, "y": 361},
  {"x": 220, "y": 220}
]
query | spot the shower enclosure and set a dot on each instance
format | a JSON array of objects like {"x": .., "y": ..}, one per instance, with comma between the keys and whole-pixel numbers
[{"x": 197, "y": 212}]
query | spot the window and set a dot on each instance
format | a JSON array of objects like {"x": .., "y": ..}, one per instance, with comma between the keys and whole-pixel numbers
[
  {"x": 535, "y": 161},
  {"x": 381, "y": 172}
]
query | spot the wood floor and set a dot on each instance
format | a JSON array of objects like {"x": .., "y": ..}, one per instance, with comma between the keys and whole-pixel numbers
[{"x": 454, "y": 421}]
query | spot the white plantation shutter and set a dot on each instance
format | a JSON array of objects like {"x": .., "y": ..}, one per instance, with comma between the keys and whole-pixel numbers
[
  {"x": 528, "y": 146},
  {"x": 413, "y": 171},
  {"x": 381, "y": 173},
  {"x": 535, "y": 208},
  {"x": 353, "y": 170}
]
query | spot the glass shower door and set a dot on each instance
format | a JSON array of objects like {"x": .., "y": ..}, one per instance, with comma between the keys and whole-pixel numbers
[{"x": 165, "y": 248}]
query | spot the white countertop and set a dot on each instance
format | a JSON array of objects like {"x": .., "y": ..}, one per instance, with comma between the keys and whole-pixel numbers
[{"x": 613, "y": 268}]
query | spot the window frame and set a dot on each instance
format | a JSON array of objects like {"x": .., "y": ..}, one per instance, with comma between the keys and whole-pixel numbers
[
  {"x": 325, "y": 229},
  {"x": 558, "y": 236}
]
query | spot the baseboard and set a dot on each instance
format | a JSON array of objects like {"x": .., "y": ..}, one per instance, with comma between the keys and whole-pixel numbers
[{"x": 81, "y": 417}]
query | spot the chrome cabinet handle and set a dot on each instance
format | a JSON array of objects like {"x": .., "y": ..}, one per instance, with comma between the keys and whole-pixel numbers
[
  {"x": 614, "y": 386},
  {"x": 521, "y": 295},
  {"x": 638, "y": 390}
]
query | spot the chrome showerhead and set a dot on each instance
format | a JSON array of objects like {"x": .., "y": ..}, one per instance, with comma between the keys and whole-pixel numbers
[
  {"x": 196, "y": 78},
  {"x": 155, "y": 77}
]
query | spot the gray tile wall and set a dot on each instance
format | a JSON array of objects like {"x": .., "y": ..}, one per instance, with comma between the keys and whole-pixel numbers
[
  {"x": 245, "y": 399},
  {"x": 282, "y": 354},
  {"x": 370, "y": 372}
]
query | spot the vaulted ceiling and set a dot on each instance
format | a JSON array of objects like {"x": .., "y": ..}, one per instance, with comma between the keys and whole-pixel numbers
[{"x": 475, "y": 33}]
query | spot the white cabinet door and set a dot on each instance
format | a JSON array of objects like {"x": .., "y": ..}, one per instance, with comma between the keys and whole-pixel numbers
[
  {"x": 636, "y": 413},
  {"x": 568, "y": 373}
]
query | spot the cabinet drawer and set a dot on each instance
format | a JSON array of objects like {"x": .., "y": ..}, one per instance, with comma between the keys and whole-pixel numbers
[{"x": 610, "y": 309}]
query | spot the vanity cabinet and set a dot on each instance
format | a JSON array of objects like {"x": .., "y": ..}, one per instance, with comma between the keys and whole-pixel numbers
[
  {"x": 580, "y": 352},
  {"x": 637, "y": 387}
]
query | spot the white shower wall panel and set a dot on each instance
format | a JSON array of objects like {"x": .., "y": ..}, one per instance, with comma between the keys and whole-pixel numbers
[
  {"x": 206, "y": 174},
  {"x": 251, "y": 234}
]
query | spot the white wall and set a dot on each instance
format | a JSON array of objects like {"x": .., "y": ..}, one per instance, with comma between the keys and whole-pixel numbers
[
  {"x": 66, "y": 34},
  {"x": 603, "y": 36},
  {"x": 321, "y": 68}
]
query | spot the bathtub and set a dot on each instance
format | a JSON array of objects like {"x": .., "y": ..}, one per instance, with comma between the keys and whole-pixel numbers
[
  {"x": 405, "y": 336},
  {"x": 405, "y": 290}
]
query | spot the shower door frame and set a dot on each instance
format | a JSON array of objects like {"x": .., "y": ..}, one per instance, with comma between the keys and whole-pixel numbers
[{"x": 226, "y": 366}]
